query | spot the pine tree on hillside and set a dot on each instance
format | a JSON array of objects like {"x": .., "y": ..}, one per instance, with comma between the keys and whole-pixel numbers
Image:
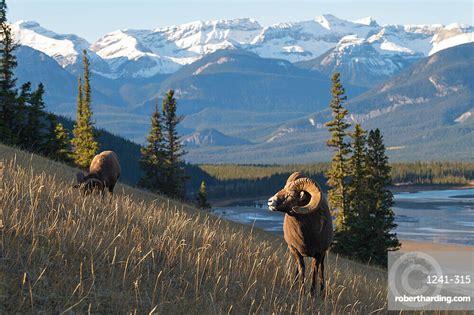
[
  {"x": 21, "y": 115},
  {"x": 35, "y": 125},
  {"x": 84, "y": 144},
  {"x": 380, "y": 236},
  {"x": 202, "y": 202},
  {"x": 153, "y": 156},
  {"x": 3, "y": 11},
  {"x": 338, "y": 171},
  {"x": 8, "y": 102},
  {"x": 86, "y": 89},
  {"x": 79, "y": 99},
  {"x": 174, "y": 170},
  {"x": 357, "y": 192},
  {"x": 58, "y": 145},
  {"x": 351, "y": 239}
]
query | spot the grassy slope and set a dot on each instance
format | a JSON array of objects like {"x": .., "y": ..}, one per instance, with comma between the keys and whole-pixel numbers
[{"x": 142, "y": 253}]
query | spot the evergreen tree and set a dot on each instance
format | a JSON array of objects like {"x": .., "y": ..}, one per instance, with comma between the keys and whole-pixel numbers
[
  {"x": 174, "y": 167},
  {"x": 153, "y": 156},
  {"x": 58, "y": 146},
  {"x": 379, "y": 234},
  {"x": 338, "y": 171},
  {"x": 35, "y": 126},
  {"x": 84, "y": 144},
  {"x": 86, "y": 89},
  {"x": 352, "y": 237},
  {"x": 79, "y": 99},
  {"x": 8, "y": 102},
  {"x": 21, "y": 115},
  {"x": 202, "y": 198},
  {"x": 3, "y": 11}
]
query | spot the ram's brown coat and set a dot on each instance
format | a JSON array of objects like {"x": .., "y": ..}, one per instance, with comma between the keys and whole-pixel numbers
[
  {"x": 105, "y": 167},
  {"x": 307, "y": 225}
]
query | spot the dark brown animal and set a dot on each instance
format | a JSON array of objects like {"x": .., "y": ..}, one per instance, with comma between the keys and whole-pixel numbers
[
  {"x": 104, "y": 172},
  {"x": 307, "y": 226}
]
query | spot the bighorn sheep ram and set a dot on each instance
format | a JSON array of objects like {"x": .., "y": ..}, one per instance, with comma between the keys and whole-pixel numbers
[
  {"x": 104, "y": 172},
  {"x": 307, "y": 225}
]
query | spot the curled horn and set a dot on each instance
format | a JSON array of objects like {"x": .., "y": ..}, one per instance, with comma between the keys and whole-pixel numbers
[
  {"x": 306, "y": 184},
  {"x": 292, "y": 178}
]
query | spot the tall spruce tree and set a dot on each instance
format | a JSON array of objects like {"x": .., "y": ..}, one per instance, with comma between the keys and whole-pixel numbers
[
  {"x": 84, "y": 144},
  {"x": 351, "y": 239},
  {"x": 79, "y": 99},
  {"x": 8, "y": 93},
  {"x": 36, "y": 118},
  {"x": 174, "y": 167},
  {"x": 338, "y": 171},
  {"x": 58, "y": 145},
  {"x": 21, "y": 116},
  {"x": 380, "y": 235},
  {"x": 153, "y": 157},
  {"x": 202, "y": 202}
]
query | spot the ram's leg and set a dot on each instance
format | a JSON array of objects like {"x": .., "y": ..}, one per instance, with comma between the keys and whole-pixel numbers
[
  {"x": 314, "y": 275},
  {"x": 300, "y": 265},
  {"x": 322, "y": 282},
  {"x": 111, "y": 192},
  {"x": 111, "y": 189}
]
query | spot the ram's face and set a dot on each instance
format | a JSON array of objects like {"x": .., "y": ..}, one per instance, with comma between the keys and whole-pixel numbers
[{"x": 287, "y": 199}]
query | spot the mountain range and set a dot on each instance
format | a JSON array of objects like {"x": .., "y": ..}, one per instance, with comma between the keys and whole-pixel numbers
[
  {"x": 145, "y": 53},
  {"x": 247, "y": 88}
]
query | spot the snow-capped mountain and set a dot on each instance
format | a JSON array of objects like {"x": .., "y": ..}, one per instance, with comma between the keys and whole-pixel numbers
[
  {"x": 145, "y": 53},
  {"x": 66, "y": 49},
  {"x": 362, "y": 62},
  {"x": 167, "y": 49},
  {"x": 377, "y": 57},
  {"x": 309, "y": 39},
  {"x": 212, "y": 137}
]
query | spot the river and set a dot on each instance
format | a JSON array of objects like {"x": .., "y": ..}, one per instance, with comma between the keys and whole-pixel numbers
[{"x": 436, "y": 216}]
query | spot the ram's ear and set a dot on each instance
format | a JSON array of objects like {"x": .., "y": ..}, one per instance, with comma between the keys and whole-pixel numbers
[{"x": 80, "y": 178}]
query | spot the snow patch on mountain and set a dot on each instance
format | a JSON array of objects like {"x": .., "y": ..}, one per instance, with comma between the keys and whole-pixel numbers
[
  {"x": 280, "y": 133},
  {"x": 118, "y": 44},
  {"x": 207, "y": 65},
  {"x": 463, "y": 117},
  {"x": 397, "y": 101},
  {"x": 212, "y": 137},
  {"x": 442, "y": 89},
  {"x": 451, "y": 42},
  {"x": 293, "y": 49},
  {"x": 366, "y": 21}
]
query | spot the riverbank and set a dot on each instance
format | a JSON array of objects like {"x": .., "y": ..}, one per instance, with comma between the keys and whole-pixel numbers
[
  {"x": 415, "y": 188},
  {"x": 236, "y": 201},
  {"x": 395, "y": 189},
  {"x": 411, "y": 246}
]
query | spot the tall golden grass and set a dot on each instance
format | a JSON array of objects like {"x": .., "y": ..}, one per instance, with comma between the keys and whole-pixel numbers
[{"x": 141, "y": 253}]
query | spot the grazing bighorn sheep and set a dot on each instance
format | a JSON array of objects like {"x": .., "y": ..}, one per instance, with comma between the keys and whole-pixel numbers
[
  {"x": 104, "y": 172},
  {"x": 307, "y": 226}
]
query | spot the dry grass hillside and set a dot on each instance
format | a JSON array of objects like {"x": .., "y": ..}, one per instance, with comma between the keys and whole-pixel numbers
[{"x": 144, "y": 254}]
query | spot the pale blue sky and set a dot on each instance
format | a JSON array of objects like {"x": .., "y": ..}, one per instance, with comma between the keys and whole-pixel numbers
[{"x": 92, "y": 19}]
